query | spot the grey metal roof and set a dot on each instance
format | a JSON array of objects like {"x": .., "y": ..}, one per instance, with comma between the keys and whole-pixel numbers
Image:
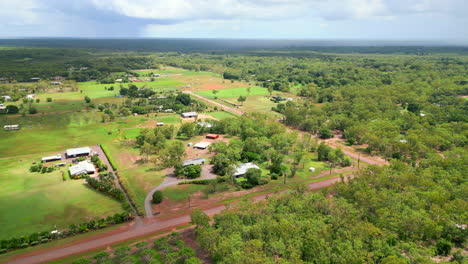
[
  {"x": 78, "y": 151},
  {"x": 244, "y": 167},
  {"x": 196, "y": 161}
]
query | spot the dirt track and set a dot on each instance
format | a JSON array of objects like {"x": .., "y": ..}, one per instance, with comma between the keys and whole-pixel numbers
[{"x": 226, "y": 108}]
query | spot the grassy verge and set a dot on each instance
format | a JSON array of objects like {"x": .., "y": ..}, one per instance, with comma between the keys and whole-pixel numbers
[{"x": 109, "y": 157}]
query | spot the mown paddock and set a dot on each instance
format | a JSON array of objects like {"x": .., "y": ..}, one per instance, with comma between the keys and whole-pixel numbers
[
  {"x": 35, "y": 202},
  {"x": 40, "y": 201}
]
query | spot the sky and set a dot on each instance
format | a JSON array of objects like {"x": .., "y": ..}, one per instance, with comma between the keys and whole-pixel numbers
[{"x": 440, "y": 20}]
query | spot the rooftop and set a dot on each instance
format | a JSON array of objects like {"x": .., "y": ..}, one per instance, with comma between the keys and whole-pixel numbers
[
  {"x": 243, "y": 168},
  {"x": 196, "y": 161},
  {"x": 78, "y": 151},
  {"x": 84, "y": 167}
]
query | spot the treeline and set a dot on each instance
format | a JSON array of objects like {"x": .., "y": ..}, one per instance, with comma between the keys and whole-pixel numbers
[
  {"x": 37, "y": 238},
  {"x": 22, "y": 64},
  {"x": 394, "y": 214}
]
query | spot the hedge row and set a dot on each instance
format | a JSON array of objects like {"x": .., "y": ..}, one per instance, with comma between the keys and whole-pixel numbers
[
  {"x": 109, "y": 157},
  {"x": 202, "y": 182},
  {"x": 37, "y": 238}
]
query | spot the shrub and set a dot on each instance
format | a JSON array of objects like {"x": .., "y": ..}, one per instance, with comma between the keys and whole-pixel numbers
[
  {"x": 190, "y": 172},
  {"x": 157, "y": 197},
  {"x": 32, "y": 110},
  {"x": 325, "y": 133},
  {"x": 49, "y": 99},
  {"x": 36, "y": 168}
]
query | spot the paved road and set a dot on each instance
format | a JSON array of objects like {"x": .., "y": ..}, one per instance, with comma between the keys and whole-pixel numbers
[
  {"x": 227, "y": 108},
  {"x": 153, "y": 227}
]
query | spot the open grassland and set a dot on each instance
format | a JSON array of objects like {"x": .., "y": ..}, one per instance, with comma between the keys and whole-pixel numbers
[
  {"x": 33, "y": 202},
  {"x": 221, "y": 115},
  {"x": 236, "y": 92}
]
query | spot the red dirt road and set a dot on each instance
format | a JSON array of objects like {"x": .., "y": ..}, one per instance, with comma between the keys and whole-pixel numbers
[
  {"x": 146, "y": 229},
  {"x": 234, "y": 110}
]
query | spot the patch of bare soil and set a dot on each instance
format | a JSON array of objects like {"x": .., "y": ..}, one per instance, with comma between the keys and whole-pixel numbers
[{"x": 189, "y": 238}]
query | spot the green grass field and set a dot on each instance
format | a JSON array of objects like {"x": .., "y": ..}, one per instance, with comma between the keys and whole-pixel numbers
[
  {"x": 221, "y": 115},
  {"x": 235, "y": 92},
  {"x": 168, "y": 72},
  {"x": 33, "y": 202}
]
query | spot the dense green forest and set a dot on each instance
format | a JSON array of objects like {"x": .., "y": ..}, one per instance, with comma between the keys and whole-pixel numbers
[{"x": 397, "y": 214}]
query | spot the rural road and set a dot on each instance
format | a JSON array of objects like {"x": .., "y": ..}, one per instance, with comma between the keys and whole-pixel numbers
[
  {"x": 153, "y": 227},
  {"x": 226, "y": 108}
]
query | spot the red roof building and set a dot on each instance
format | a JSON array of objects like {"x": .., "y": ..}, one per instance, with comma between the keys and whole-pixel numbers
[{"x": 212, "y": 136}]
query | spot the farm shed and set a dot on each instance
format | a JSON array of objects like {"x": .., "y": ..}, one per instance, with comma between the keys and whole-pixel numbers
[
  {"x": 2, "y": 107},
  {"x": 6, "y": 97},
  {"x": 243, "y": 168},
  {"x": 11, "y": 127},
  {"x": 52, "y": 158},
  {"x": 30, "y": 96},
  {"x": 196, "y": 161},
  {"x": 212, "y": 136},
  {"x": 189, "y": 115},
  {"x": 77, "y": 152},
  {"x": 84, "y": 167},
  {"x": 160, "y": 124},
  {"x": 202, "y": 145}
]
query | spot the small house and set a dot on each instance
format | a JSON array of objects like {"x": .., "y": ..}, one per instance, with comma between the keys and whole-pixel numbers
[
  {"x": 202, "y": 145},
  {"x": 156, "y": 75},
  {"x": 205, "y": 124},
  {"x": 168, "y": 110},
  {"x": 11, "y": 127},
  {"x": 78, "y": 152},
  {"x": 160, "y": 124},
  {"x": 35, "y": 79},
  {"x": 242, "y": 168},
  {"x": 6, "y": 97},
  {"x": 55, "y": 82},
  {"x": 189, "y": 115},
  {"x": 82, "y": 168},
  {"x": 118, "y": 80},
  {"x": 60, "y": 164},
  {"x": 312, "y": 169},
  {"x": 212, "y": 136},
  {"x": 2, "y": 107},
  {"x": 196, "y": 161},
  {"x": 52, "y": 158},
  {"x": 30, "y": 96}
]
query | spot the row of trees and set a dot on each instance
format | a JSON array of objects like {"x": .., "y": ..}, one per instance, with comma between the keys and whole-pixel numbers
[{"x": 44, "y": 237}]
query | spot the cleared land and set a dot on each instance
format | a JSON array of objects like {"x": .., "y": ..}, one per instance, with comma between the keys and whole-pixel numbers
[{"x": 32, "y": 202}]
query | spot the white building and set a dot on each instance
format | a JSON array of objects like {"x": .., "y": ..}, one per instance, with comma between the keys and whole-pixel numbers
[
  {"x": 196, "y": 161},
  {"x": 189, "y": 114},
  {"x": 82, "y": 168},
  {"x": 30, "y": 96},
  {"x": 11, "y": 127},
  {"x": 243, "y": 168},
  {"x": 6, "y": 97},
  {"x": 76, "y": 152},
  {"x": 52, "y": 158},
  {"x": 202, "y": 145}
]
